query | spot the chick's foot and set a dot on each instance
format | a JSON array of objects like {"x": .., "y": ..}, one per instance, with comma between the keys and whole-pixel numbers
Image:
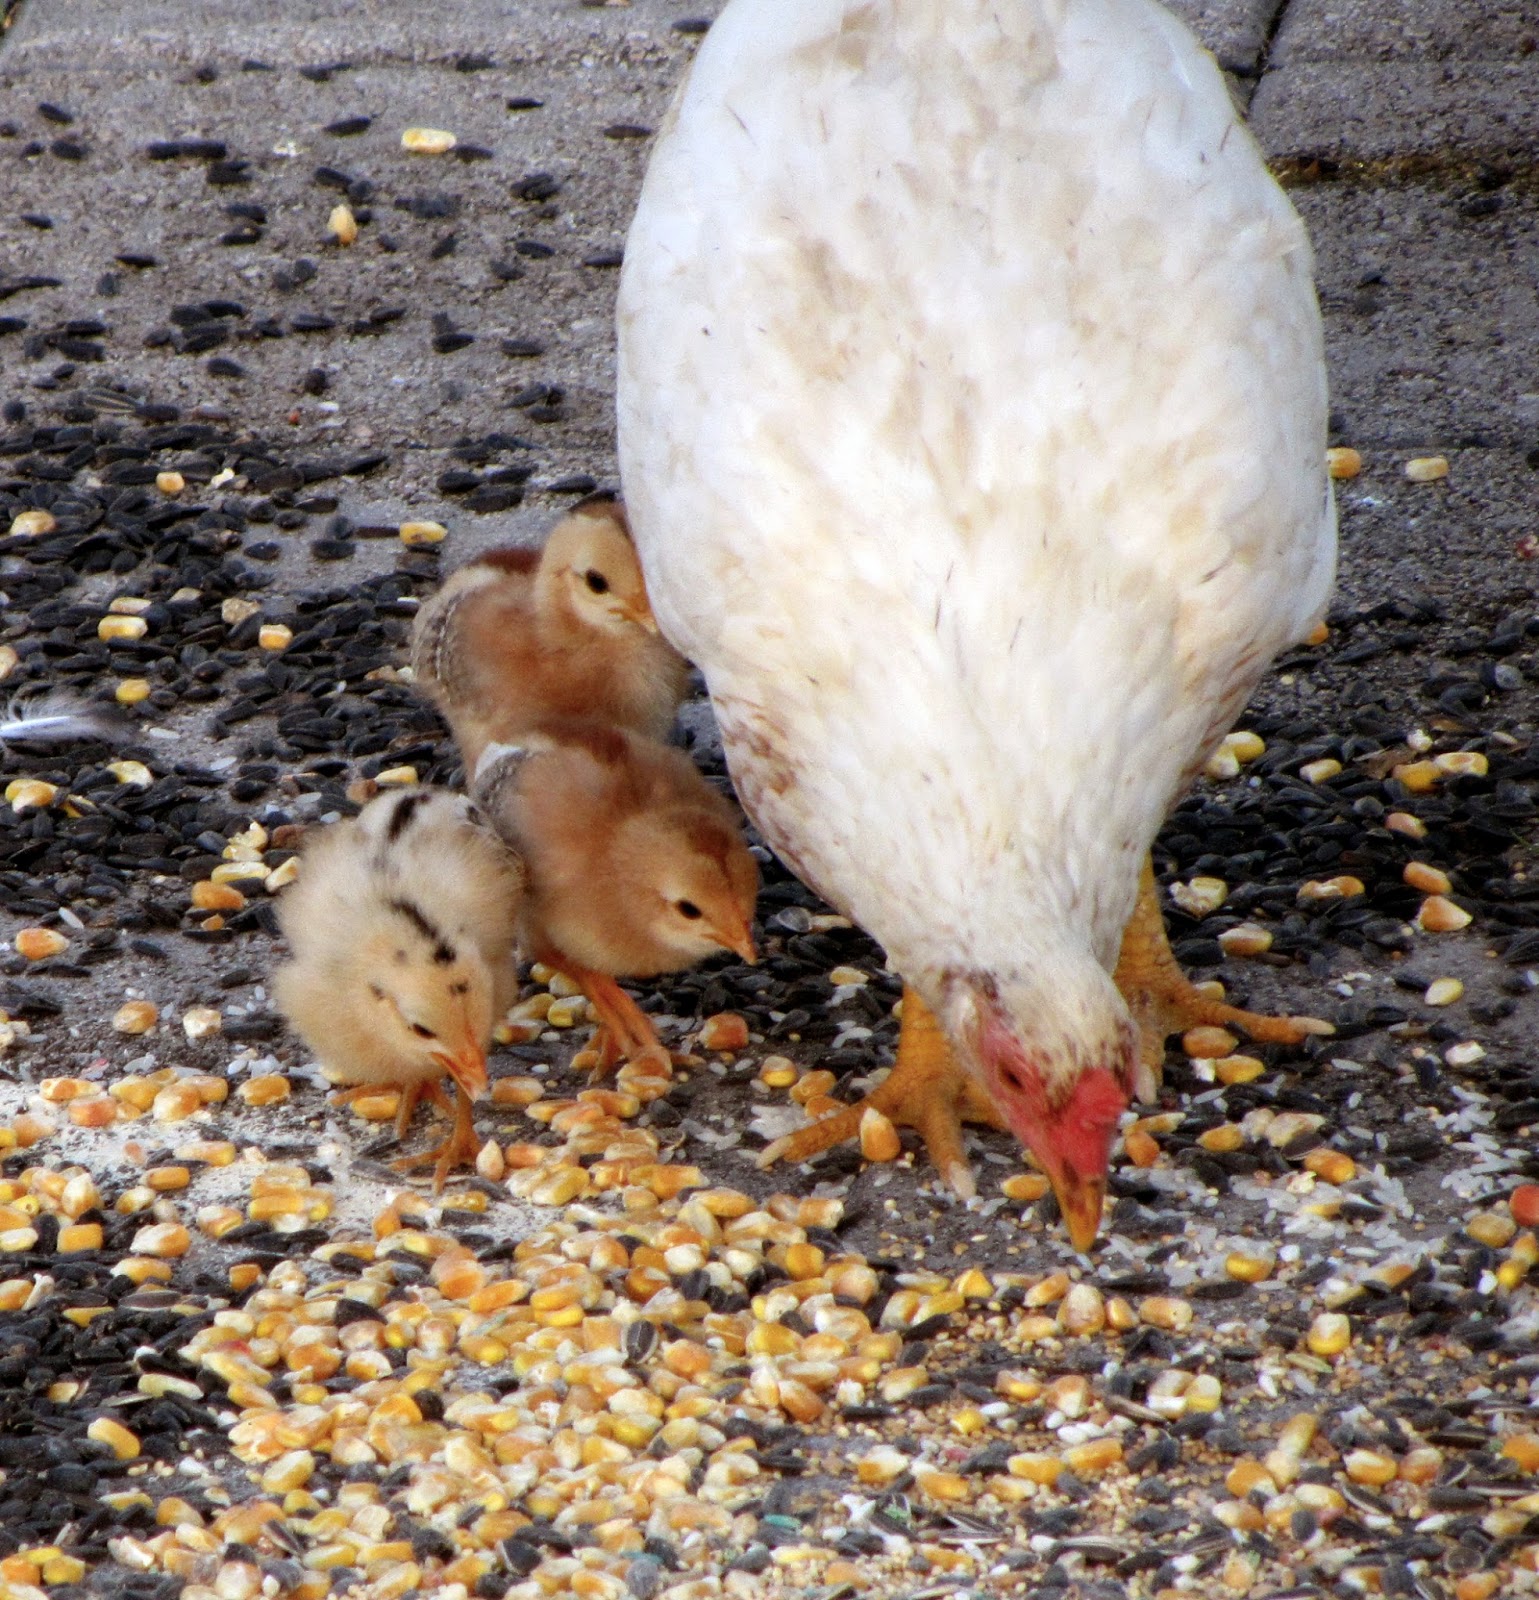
[
  {"x": 1163, "y": 1000},
  {"x": 624, "y": 1032},
  {"x": 926, "y": 1089},
  {"x": 408, "y": 1094},
  {"x": 461, "y": 1147}
]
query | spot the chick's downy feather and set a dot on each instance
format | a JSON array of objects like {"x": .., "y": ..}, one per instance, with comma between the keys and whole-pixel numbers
[
  {"x": 522, "y": 635},
  {"x": 636, "y": 865},
  {"x": 972, "y": 415},
  {"x": 401, "y": 928}
]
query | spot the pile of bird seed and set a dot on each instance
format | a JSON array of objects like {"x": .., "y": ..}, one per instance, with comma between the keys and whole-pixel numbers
[
  {"x": 240, "y": 1356},
  {"x": 246, "y": 1358}
]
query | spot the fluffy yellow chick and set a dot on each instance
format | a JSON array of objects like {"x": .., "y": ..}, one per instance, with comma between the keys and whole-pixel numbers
[
  {"x": 636, "y": 866},
  {"x": 401, "y": 926},
  {"x": 521, "y": 635}
]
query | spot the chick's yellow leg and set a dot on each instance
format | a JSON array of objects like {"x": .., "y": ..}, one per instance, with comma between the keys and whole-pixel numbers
[
  {"x": 1163, "y": 1000},
  {"x": 926, "y": 1089},
  {"x": 625, "y": 1031},
  {"x": 408, "y": 1094},
  {"x": 461, "y": 1147}
]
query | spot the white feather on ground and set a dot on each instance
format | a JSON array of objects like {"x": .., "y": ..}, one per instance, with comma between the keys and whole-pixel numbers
[{"x": 54, "y": 717}]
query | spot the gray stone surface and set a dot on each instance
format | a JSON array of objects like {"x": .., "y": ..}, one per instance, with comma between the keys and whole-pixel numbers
[
  {"x": 128, "y": 76},
  {"x": 1234, "y": 30},
  {"x": 1426, "y": 267},
  {"x": 1432, "y": 315},
  {"x": 1360, "y": 31},
  {"x": 316, "y": 32},
  {"x": 1388, "y": 111},
  {"x": 1427, "y": 278}
]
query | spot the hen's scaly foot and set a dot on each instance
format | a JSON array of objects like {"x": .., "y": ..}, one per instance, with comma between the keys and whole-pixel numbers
[
  {"x": 461, "y": 1147},
  {"x": 1163, "y": 1000},
  {"x": 926, "y": 1089}
]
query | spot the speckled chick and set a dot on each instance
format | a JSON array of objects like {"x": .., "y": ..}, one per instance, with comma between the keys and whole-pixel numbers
[
  {"x": 521, "y": 635},
  {"x": 401, "y": 926},
  {"x": 636, "y": 865}
]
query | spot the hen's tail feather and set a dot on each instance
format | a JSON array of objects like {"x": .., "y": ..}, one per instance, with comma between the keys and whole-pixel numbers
[{"x": 52, "y": 718}]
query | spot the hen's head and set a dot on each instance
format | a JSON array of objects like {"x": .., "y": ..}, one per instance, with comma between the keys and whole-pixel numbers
[{"x": 1059, "y": 1062}]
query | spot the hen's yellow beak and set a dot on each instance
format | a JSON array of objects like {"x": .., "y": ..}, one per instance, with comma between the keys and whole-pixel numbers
[{"x": 1081, "y": 1201}]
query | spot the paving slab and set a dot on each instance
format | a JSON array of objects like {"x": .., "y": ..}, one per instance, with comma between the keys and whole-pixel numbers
[
  {"x": 316, "y": 34},
  {"x": 1401, "y": 111},
  {"x": 1432, "y": 314},
  {"x": 1234, "y": 30},
  {"x": 1361, "y": 31}
]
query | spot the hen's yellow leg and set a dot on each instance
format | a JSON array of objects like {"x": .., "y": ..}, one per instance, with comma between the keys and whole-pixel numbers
[
  {"x": 1163, "y": 1000},
  {"x": 461, "y": 1147},
  {"x": 926, "y": 1089}
]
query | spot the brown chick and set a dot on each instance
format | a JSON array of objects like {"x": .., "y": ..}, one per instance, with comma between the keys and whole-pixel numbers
[
  {"x": 636, "y": 866},
  {"x": 401, "y": 927},
  {"x": 521, "y": 636}
]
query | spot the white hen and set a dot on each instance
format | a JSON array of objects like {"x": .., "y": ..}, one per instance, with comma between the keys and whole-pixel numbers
[{"x": 972, "y": 424}]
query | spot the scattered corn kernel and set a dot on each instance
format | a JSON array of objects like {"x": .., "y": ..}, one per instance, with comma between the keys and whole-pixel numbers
[
  {"x": 29, "y": 794},
  {"x": 120, "y": 627},
  {"x": 1329, "y": 1334},
  {"x": 135, "y": 1017},
  {"x": 1438, "y": 914},
  {"x": 123, "y": 1444},
  {"x": 428, "y": 141},
  {"x": 1245, "y": 939},
  {"x": 198, "y": 1022},
  {"x": 38, "y": 944},
  {"x": 879, "y": 1139}
]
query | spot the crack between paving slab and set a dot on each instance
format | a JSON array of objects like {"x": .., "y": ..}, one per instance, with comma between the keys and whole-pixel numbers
[
  {"x": 1439, "y": 169},
  {"x": 1269, "y": 38}
]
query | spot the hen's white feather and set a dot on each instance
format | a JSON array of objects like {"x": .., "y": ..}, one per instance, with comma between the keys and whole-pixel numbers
[
  {"x": 52, "y": 718},
  {"x": 972, "y": 425}
]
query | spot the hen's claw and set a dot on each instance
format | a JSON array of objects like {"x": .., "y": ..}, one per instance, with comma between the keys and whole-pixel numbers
[
  {"x": 1162, "y": 1000},
  {"x": 926, "y": 1089}
]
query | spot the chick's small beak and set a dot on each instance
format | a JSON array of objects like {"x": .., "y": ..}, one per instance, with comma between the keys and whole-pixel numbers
[
  {"x": 467, "y": 1066},
  {"x": 1080, "y": 1200},
  {"x": 741, "y": 944},
  {"x": 642, "y": 616}
]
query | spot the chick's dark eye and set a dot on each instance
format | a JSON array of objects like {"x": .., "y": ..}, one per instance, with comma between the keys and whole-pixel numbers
[
  {"x": 421, "y": 1032},
  {"x": 596, "y": 581},
  {"x": 688, "y": 908}
]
